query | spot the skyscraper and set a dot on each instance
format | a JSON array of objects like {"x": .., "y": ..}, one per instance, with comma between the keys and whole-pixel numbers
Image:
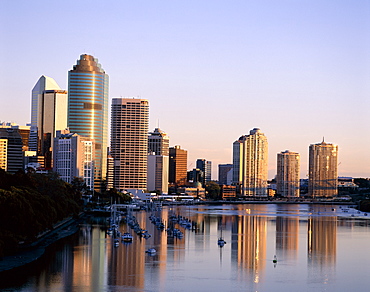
[
  {"x": 178, "y": 165},
  {"x": 158, "y": 142},
  {"x": 250, "y": 154},
  {"x": 206, "y": 167},
  {"x": 158, "y": 161},
  {"x": 37, "y": 110},
  {"x": 88, "y": 110},
  {"x": 323, "y": 170},
  {"x": 287, "y": 178},
  {"x": 129, "y": 142}
]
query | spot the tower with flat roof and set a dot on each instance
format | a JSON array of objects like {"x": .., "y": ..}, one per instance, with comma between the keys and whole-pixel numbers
[
  {"x": 287, "y": 177},
  {"x": 129, "y": 142},
  {"x": 178, "y": 166}
]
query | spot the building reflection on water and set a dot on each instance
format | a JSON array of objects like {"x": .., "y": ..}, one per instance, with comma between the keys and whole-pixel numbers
[
  {"x": 287, "y": 233},
  {"x": 322, "y": 247},
  {"x": 248, "y": 230},
  {"x": 248, "y": 247}
]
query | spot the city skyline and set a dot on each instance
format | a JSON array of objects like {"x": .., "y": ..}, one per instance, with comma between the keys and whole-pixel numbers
[{"x": 211, "y": 71}]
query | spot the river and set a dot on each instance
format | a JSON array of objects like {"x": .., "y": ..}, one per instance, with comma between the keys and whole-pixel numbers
[{"x": 318, "y": 248}]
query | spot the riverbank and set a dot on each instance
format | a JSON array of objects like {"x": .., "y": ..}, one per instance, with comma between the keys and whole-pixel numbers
[{"x": 35, "y": 250}]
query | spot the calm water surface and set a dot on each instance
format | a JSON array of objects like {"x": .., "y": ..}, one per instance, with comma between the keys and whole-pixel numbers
[{"x": 317, "y": 250}]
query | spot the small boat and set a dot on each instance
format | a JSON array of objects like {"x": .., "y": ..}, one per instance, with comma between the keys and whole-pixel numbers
[
  {"x": 116, "y": 242},
  {"x": 221, "y": 242},
  {"x": 126, "y": 237},
  {"x": 151, "y": 251},
  {"x": 275, "y": 259}
]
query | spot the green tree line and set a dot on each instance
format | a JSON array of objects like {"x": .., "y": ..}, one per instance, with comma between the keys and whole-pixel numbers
[{"x": 31, "y": 203}]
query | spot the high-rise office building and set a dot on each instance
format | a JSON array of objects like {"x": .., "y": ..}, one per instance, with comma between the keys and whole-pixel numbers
[
  {"x": 88, "y": 110},
  {"x": 206, "y": 167},
  {"x": 250, "y": 154},
  {"x": 323, "y": 170},
  {"x": 287, "y": 177},
  {"x": 14, "y": 153},
  {"x": 158, "y": 161},
  {"x": 129, "y": 142},
  {"x": 37, "y": 110},
  {"x": 73, "y": 157},
  {"x": 225, "y": 174},
  {"x": 158, "y": 142},
  {"x": 178, "y": 165}
]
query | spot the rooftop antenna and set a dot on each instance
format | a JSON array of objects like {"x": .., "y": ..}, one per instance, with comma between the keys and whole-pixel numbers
[{"x": 323, "y": 139}]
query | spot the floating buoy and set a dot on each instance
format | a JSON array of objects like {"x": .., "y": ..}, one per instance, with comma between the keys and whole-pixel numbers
[{"x": 275, "y": 259}]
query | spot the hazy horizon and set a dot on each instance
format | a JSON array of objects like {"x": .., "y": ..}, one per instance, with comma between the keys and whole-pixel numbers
[{"x": 211, "y": 70}]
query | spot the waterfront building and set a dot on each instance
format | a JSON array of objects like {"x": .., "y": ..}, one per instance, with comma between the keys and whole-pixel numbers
[
  {"x": 129, "y": 142},
  {"x": 228, "y": 192},
  {"x": 88, "y": 110},
  {"x": 73, "y": 156},
  {"x": 157, "y": 179},
  {"x": 287, "y": 178},
  {"x": 225, "y": 174},
  {"x": 206, "y": 167},
  {"x": 250, "y": 154},
  {"x": 178, "y": 165},
  {"x": 37, "y": 110},
  {"x": 158, "y": 161},
  {"x": 323, "y": 170},
  {"x": 13, "y": 147}
]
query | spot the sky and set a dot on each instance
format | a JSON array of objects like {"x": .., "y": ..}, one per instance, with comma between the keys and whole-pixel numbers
[{"x": 212, "y": 70}]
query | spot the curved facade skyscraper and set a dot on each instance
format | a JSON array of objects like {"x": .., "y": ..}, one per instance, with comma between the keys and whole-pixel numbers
[{"x": 88, "y": 109}]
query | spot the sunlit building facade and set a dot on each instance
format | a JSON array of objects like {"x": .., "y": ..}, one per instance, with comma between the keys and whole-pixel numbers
[
  {"x": 3, "y": 153},
  {"x": 73, "y": 157},
  {"x": 178, "y": 166},
  {"x": 323, "y": 170},
  {"x": 88, "y": 110},
  {"x": 38, "y": 109},
  {"x": 158, "y": 142},
  {"x": 250, "y": 155},
  {"x": 287, "y": 177},
  {"x": 158, "y": 161},
  {"x": 129, "y": 142}
]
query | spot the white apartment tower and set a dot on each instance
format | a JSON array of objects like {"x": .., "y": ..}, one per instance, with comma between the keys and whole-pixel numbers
[
  {"x": 287, "y": 178},
  {"x": 129, "y": 142},
  {"x": 250, "y": 155},
  {"x": 73, "y": 156},
  {"x": 323, "y": 170}
]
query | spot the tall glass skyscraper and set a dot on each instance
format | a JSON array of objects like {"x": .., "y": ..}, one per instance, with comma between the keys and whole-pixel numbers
[{"x": 88, "y": 109}]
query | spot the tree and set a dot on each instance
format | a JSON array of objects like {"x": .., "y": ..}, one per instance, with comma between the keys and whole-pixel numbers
[{"x": 213, "y": 190}]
